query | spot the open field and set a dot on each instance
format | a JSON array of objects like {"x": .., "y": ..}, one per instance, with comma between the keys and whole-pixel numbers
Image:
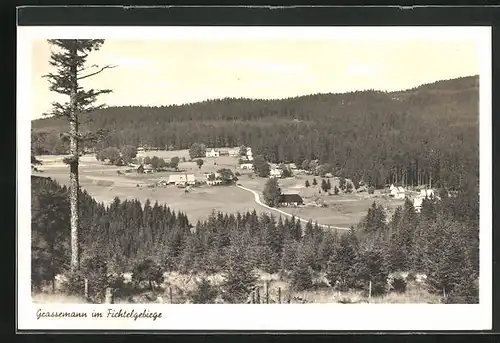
[
  {"x": 342, "y": 210},
  {"x": 104, "y": 183}
]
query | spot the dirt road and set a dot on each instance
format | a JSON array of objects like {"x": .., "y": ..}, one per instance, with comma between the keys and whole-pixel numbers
[{"x": 258, "y": 201}]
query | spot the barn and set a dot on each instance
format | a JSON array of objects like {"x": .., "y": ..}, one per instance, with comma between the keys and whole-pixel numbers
[{"x": 291, "y": 200}]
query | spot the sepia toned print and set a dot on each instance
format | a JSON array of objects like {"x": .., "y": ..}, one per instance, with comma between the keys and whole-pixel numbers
[{"x": 254, "y": 172}]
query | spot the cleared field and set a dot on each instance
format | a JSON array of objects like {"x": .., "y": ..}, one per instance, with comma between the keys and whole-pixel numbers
[
  {"x": 342, "y": 210},
  {"x": 104, "y": 183}
]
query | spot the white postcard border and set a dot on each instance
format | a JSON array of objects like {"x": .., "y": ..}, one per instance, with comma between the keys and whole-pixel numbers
[{"x": 257, "y": 317}]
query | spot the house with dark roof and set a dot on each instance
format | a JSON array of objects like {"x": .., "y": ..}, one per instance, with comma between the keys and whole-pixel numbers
[{"x": 291, "y": 200}]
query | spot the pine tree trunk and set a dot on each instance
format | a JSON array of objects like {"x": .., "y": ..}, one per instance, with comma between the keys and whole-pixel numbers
[{"x": 73, "y": 175}]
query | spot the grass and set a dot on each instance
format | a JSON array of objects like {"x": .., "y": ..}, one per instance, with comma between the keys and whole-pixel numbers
[{"x": 182, "y": 284}]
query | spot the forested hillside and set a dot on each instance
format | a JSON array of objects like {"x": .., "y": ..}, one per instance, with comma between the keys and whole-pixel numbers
[
  {"x": 429, "y": 133},
  {"x": 151, "y": 239}
]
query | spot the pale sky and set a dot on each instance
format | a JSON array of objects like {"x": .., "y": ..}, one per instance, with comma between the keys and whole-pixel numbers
[{"x": 165, "y": 72}]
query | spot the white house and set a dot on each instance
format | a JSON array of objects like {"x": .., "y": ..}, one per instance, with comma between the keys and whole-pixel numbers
[
  {"x": 249, "y": 154},
  {"x": 427, "y": 193},
  {"x": 212, "y": 153},
  {"x": 276, "y": 172},
  {"x": 246, "y": 166},
  {"x": 398, "y": 192},
  {"x": 417, "y": 202},
  {"x": 182, "y": 179}
]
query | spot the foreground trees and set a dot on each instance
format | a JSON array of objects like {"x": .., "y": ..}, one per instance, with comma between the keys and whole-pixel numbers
[{"x": 151, "y": 239}]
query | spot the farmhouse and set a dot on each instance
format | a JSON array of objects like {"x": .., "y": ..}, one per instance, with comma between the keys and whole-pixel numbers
[
  {"x": 246, "y": 166},
  {"x": 427, "y": 193},
  {"x": 223, "y": 153},
  {"x": 397, "y": 192},
  {"x": 182, "y": 179},
  {"x": 212, "y": 153},
  {"x": 234, "y": 153},
  {"x": 214, "y": 182},
  {"x": 276, "y": 172},
  {"x": 249, "y": 154},
  {"x": 291, "y": 200}
]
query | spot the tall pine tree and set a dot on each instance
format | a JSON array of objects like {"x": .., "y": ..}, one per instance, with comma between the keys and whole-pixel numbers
[{"x": 69, "y": 58}]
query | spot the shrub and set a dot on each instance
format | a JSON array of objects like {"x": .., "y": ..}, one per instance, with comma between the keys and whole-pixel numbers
[
  {"x": 205, "y": 293},
  {"x": 149, "y": 271},
  {"x": 397, "y": 283}
]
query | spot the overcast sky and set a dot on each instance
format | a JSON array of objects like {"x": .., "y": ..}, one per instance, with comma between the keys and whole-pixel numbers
[{"x": 174, "y": 72}]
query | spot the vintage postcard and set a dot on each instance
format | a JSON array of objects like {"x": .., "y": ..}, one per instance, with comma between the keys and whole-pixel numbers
[{"x": 254, "y": 178}]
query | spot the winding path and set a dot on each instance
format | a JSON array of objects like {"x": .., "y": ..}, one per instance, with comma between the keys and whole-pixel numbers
[{"x": 258, "y": 201}]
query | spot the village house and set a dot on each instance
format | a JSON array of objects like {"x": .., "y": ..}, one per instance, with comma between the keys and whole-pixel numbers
[
  {"x": 276, "y": 172},
  {"x": 291, "y": 200},
  {"x": 213, "y": 179},
  {"x": 223, "y": 153},
  {"x": 212, "y": 153},
  {"x": 397, "y": 192},
  {"x": 234, "y": 153},
  {"x": 182, "y": 179},
  {"x": 424, "y": 193},
  {"x": 249, "y": 154},
  {"x": 248, "y": 166}
]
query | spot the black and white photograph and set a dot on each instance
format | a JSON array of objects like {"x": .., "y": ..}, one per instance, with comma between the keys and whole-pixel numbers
[{"x": 315, "y": 167}]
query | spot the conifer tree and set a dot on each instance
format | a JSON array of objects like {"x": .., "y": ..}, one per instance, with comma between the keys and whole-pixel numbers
[
  {"x": 205, "y": 292},
  {"x": 301, "y": 274},
  {"x": 239, "y": 275},
  {"x": 272, "y": 192},
  {"x": 70, "y": 61},
  {"x": 371, "y": 267},
  {"x": 324, "y": 186},
  {"x": 341, "y": 269},
  {"x": 315, "y": 182}
]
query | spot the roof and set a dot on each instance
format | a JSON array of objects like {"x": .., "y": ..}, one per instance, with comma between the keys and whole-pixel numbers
[
  {"x": 291, "y": 198},
  {"x": 427, "y": 192},
  {"x": 398, "y": 189},
  {"x": 181, "y": 178}
]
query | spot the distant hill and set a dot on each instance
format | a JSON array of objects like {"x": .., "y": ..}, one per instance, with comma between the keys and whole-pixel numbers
[{"x": 385, "y": 136}]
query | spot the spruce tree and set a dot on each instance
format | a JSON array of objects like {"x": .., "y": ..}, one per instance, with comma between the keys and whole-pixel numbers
[
  {"x": 240, "y": 278},
  {"x": 341, "y": 271},
  {"x": 69, "y": 58},
  {"x": 205, "y": 292},
  {"x": 315, "y": 182},
  {"x": 301, "y": 274}
]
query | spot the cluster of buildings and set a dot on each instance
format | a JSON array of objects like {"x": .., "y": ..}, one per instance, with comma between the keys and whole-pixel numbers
[
  {"x": 213, "y": 152},
  {"x": 401, "y": 193},
  {"x": 216, "y": 152},
  {"x": 424, "y": 193},
  {"x": 184, "y": 180},
  {"x": 397, "y": 192}
]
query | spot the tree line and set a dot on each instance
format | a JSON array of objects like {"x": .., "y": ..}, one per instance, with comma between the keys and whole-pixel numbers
[
  {"x": 151, "y": 239},
  {"x": 427, "y": 135}
]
